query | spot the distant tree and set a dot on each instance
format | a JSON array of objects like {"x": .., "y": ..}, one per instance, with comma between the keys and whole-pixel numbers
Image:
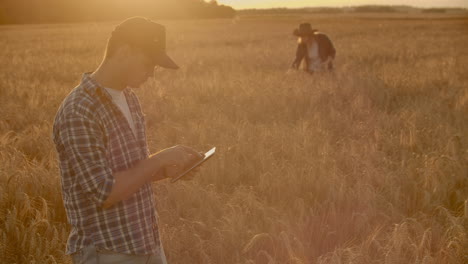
[
  {"x": 434, "y": 10},
  {"x": 327, "y": 10},
  {"x": 374, "y": 9},
  {"x": 274, "y": 11}
]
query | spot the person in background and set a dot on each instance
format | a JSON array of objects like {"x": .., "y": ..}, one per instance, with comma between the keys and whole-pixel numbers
[
  {"x": 105, "y": 165},
  {"x": 314, "y": 50}
]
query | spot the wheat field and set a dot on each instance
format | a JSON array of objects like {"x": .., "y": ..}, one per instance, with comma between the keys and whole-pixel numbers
[{"x": 368, "y": 164}]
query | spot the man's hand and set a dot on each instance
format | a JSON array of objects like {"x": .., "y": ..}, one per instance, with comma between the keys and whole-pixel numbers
[{"x": 177, "y": 159}]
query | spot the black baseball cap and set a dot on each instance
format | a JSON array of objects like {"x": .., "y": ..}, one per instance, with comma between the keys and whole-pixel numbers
[{"x": 146, "y": 34}]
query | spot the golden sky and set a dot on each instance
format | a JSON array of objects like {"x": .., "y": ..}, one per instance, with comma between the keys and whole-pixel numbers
[{"x": 242, "y": 4}]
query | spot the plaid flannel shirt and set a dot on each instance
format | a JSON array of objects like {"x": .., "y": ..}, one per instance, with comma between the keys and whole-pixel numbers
[{"x": 94, "y": 140}]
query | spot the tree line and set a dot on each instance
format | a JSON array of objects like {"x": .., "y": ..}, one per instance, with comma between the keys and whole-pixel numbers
[
  {"x": 353, "y": 9},
  {"x": 71, "y": 11}
]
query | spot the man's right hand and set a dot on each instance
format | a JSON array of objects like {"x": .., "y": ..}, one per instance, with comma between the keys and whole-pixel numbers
[{"x": 178, "y": 158}]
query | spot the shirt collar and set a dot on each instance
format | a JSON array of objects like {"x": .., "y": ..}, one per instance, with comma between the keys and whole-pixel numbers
[
  {"x": 93, "y": 87},
  {"x": 115, "y": 94}
]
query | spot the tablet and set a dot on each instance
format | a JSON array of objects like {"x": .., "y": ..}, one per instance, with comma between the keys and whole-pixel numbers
[{"x": 208, "y": 155}]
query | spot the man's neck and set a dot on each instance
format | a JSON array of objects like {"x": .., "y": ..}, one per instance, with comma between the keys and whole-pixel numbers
[{"x": 109, "y": 77}]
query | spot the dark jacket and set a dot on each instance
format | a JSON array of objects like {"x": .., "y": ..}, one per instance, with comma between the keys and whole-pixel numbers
[{"x": 325, "y": 49}]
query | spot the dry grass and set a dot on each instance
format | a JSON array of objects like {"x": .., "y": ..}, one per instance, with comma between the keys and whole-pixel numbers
[{"x": 366, "y": 165}]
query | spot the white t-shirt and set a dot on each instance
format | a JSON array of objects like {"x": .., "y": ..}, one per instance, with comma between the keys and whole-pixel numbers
[
  {"x": 313, "y": 54},
  {"x": 118, "y": 97}
]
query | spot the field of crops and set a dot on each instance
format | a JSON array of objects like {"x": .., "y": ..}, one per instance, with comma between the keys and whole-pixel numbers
[{"x": 368, "y": 164}]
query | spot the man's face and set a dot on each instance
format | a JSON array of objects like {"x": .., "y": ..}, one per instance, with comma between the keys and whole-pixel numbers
[{"x": 140, "y": 68}]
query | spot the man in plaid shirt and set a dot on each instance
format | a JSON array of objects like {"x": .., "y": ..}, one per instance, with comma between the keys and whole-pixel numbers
[{"x": 106, "y": 168}]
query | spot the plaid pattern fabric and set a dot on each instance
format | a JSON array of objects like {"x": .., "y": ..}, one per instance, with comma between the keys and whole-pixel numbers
[{"x": 94, "y": 140}]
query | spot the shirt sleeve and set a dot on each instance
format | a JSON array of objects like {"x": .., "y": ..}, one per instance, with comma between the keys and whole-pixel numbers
[
  {"x": 83, "y": 142},
  {"x": 301, "y": 52},
  {"x": 331, "y": 48}
]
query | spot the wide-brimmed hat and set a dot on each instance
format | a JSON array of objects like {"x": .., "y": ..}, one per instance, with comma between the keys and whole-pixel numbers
[
  {"x": 304, "y": 30},
  {"x": 148, "y": 35}
]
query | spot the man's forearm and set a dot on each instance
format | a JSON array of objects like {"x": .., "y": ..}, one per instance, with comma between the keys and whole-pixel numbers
[{"x": 128, "y": 182}]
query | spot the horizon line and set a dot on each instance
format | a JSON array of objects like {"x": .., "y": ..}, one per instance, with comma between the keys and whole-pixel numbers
[{"x": 350, "y": 6}]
